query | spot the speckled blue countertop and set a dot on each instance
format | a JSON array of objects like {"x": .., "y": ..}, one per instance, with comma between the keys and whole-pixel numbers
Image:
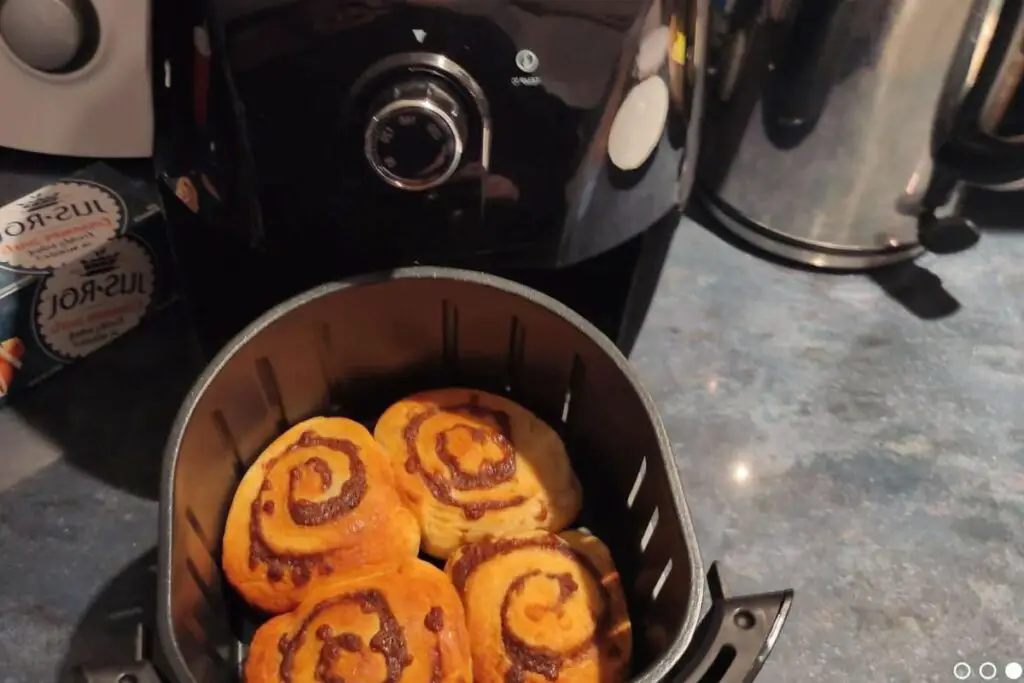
[{"x": 828, "y": 440}]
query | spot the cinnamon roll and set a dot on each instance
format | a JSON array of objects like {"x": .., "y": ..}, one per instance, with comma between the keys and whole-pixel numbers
[
  {"x": 471, "y": 464},
  {"x": 543, "y": 608},
  {"x": 405, "y": 626},
  {"x": 319, "y": 501}
]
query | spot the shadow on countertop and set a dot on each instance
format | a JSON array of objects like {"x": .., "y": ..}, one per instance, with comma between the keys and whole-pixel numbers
[
  {"x": 917, "y": 289},
  {"x": 110, "y": 413},
  {"x": 920, "y": 291},
  {"x": 23, "y": 172},
  {"x": 107, "y": 634}
]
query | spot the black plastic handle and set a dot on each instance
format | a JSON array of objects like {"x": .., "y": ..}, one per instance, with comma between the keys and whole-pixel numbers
[
  {"x": 993, "y": 33},
  {"x": 135, "y": 672},
  {"x": 736, "y": 636}
]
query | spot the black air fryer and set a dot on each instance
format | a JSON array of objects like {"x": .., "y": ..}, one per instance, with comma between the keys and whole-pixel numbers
[{"x": 548, "y": 141}]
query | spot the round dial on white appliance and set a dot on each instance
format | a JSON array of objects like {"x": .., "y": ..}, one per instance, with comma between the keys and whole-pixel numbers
[
  {"x": 47, "y": 35},
  {"x": 416, "y": 135}
]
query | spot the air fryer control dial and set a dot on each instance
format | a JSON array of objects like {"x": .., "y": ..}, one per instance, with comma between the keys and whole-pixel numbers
[{"x": 416, "y": 134}]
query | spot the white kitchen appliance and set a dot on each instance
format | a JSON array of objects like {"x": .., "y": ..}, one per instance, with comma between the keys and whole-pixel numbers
[{"x": 75, "y": 77}]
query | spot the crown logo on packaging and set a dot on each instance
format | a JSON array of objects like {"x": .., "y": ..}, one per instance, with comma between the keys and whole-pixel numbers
[
  {"x": 40, "y": 201},
  {"x": 98, "y": 262}
]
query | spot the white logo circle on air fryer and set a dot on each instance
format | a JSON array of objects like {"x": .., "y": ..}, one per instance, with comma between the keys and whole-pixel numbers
[
  {"x": 86, "y": 305},
  {"x": 58, "y": 224},
  {"x": 527, "y": 61}
]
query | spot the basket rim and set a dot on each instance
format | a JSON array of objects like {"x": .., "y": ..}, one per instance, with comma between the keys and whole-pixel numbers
[{"x": 168, "y": 645}]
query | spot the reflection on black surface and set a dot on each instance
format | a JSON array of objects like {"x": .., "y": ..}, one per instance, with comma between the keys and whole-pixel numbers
[
  {"x": 547, "y": 191},
  {"x": 829, "y": 41},
  {"x": 623, "y": 179}
]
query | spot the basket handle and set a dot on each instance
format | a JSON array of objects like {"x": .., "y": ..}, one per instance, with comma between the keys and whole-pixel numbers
[
  {"x": 735, "y": 638},
  {"x": 136, "y": 672}
]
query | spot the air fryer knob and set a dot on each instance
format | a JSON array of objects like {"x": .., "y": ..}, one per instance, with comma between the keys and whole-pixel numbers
[{"x": 416, "y": 134}]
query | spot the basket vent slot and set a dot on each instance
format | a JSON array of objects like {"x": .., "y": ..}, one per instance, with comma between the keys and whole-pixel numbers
[
  {"x": 324, "y": 346},
  {"x": 204, "y": 540},
  {"x": 220, "y": 423},
  {"x": 272, "y": 390},
  {"x": 660, "y": 583},
  {"x": 649, "y": 531},
  {"x": 575, "y": 387},
  {"x": 220, "y": 656},
  {"x": 239, "y": 657},
  {"x": 635, "y": 491},
  {"x": 516, "y": 353},
  {"x": 241, "y": 651},
  {"x": 720, "y": 667},
  {"x": 208, "y": 619},
  {"x": 209, "y": 595},
  {"x": 450, "y": 333}
]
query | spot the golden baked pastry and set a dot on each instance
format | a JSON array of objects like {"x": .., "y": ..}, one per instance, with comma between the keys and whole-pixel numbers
[
  {"x": 471, "y": 464},
  {"x": 543, "y": 608},
  {"x": 404, "y": 626},
  {"x": 319, "y": 500},
  {"x": 11, "y": 352}
]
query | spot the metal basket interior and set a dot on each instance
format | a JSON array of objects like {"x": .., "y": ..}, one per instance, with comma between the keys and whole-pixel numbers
[{"x": 352, "y": 348}]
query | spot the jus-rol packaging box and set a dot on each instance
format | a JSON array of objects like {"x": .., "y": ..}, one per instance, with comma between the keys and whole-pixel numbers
[{"x": 83, "y": 260}]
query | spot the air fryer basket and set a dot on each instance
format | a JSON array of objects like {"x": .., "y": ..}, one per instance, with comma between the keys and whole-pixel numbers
[{"x": 351, "y": 348}]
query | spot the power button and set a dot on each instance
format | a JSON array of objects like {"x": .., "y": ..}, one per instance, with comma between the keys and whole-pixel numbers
[{"x": 527, "y": 61}]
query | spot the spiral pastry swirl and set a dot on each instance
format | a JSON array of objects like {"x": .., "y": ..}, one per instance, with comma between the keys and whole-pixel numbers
[
  {"x": 471, "y": 464},
  {"x": 542, "y": 608},
  {"x": 401, "y": 626},
  {"x": 319, "y": 501}
]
